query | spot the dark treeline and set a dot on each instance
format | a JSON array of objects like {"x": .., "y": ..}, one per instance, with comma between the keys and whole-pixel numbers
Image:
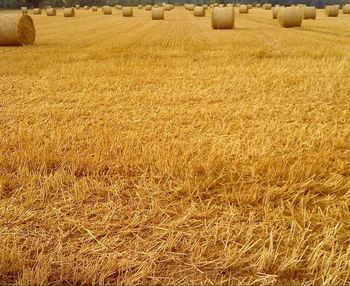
[{"x": 15, "y": 4}]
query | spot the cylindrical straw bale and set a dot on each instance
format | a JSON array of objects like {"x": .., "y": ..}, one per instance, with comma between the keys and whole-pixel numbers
[
  {"x": 24, "y": 10},
  {"x": 37, "y": 11},
  {"x": 229, "y": 5},
  {"x": 221, "y": 5},
  {"x": 16, "y": 30},
  {"x": 77, "y": 7},
  {"x": 267, "y": 6},
  {"x": 250, "y": 6},
  {"x": 257, "y": 5},
  {"x": 309, "y": 12},
  {"x": 94, "y": 8},
  {"x": 346, "y": 9},
  {"x": 119, "y": 7},
  {"x": 332, "y": 11},
  {"x": 158, "y": 13},
  {"x": 223, "y": 18},
  {"x": 243, "y": 9},
  {"x": 127, "y": 12},
  {"x": 290, "y": 17},
  {"x": 51, "y": 12},
  {"x": 139, "y": 6},
  {"x": 86, "y": 7},
  {"x": 107, "y": 10},
  {"x": 190, "y": 7},
  {"x": 148, "y": 7},
  {"x": 69, "y": 12},
  {"x": 275, "y": 11},
  {"x": 199, "y": 11},
  {"x": 168, "y": 7}
]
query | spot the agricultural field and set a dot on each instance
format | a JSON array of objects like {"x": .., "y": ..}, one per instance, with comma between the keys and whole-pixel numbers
[{"x": 166, "y": 152}]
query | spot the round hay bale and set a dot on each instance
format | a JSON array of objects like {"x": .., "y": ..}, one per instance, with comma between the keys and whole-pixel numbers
[
  {"x": 267, "y": 6},
  {"x": 199, "y": 11},
  {"x": 24, "y": 10},
  {"x": 223, "y": 18},
  {"x": 168, "y": 7},
  {"x": 257, "y": 5},
  {"x": 51, "y": 12},
  {"x": 250, "y": 6},
  {"x": 148, "y": 7},
  {"x": 243, "y": 9},
  {"x": 346, "y": 9},
  {"x": 155, "y": 6},
  {"x": 86, "y": 7},
  {"x": 229, "y": 5},
  {"x": 127, "y": 12},
  {"x": 119, "y": 7},
  {"x": 215, "y": 5},
  {"x": 290, "y": 17},
  {"x": 158, "y": 13},
  {"x": 69, "y": 12},
  {"x": 337, "y": 5},
  {"x": 205, "y": 6},
  {"x": 139, "y": 6},
  {"x": 107, "y": 10},
  {"x": 275, "y": 11},
  {"x": 37, "y": 11},
  {"x": 331, "y": 11},
  {"x": 16, "y": 30},
  {"x": 309, "y": 12},
  {"x": 221, "y": 5},
  {"x": 94, "y": 8},
  {"x": 190, "y": 7},
  {"x": 77, "y": 7}
]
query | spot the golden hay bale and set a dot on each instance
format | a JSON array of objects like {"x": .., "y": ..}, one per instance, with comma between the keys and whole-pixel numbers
[
  {"x": 16, "y": 30},
  {"x": 346, "y": 9},
  {"x": 205, "y": 6},
  {"x": 107, "y": 10},
  {"x": 215, "y": 5},
  {"x": 69, "y": 12},
  {"x": 275, "y": 11},
  {"x": 199, "y": 11},
  {"x": 190, "y": 7},
  {"x": 37, "y": 11},
  {"x": 221, "y": 5},
  {"x": 331, "y": 11},
  {"x": 223, "y": 18},
  {"x": 119, "y": 7},
  {"x": 243, "y": 9},
  {"x": 158, "y": 13},
  {"x": 148, "y": 7},
  {"x": 127, "y": 12},
  {"x": 267, "y": 6},
  {"x": 229, "y": 5},
  {"x": 168, "y": 7},
  {"x": 24, "y": 10},
  {"x": 309, "y": 12},
  {"x": 337, "y": 5},
  {"x": 250, "y": 6},
  {"x": 139, "y": 6},
  {"x": 94, "y": 8},
  {"x": 77, "y": 7},
  {"x": 86, "y": 7},
  {"x": 258, "y": 5},
  {"x": 51, "y": 12},
  {"x": 290, "y": 17}
]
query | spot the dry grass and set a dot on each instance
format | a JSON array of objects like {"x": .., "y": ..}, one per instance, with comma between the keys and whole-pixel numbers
[{"x": 143, "y": 152}]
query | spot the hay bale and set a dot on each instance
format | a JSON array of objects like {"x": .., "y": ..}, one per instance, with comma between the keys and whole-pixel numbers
[
  {"x": 37, "y": 11},
  {"x": 139, "y": 6},
  {"x": 158, "y": 13},
  {"x": 86, "y": 7},
  {"x": 275, "y": 11},
  {"x": 148, "y": 7},
  {"x": 24, "y": 10},
  {"x": 190, "y": 7},
  {"x": 107, "y": 10},
  {"x": 155, "y": 6},
  {"x": 250, "y": 6},
  {"x": 119, "y": 7},
  {"x": 205, "y": 6},
  {"x": 243, "y": 9},
  {"x": 223, "y": 18},
  {"x": 290, "y": 17},
  {"x": 94, "y": 8},
  {"x": 346, "y": 9},
  {"x": 199, "y": 11},
  {"x": 16, "y": 30},
  {"x": 221, "y": 5},
  {"x": 127, "y": 12},
  {"x": 331, "y": 11},
  {"x": 51, "y": 12},
  {"x": 229, "y": 5},
  {"x": 69, "y": 12},
  {"x": 77, "y": 7},
  {"x": 267, "y": 6},
  {"x": 168, "y": 7},
  {"x": 309, "y": 12},
  {"x": 257, "y": 5}
]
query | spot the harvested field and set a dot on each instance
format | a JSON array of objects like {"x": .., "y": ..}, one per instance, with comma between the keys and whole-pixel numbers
[{"x": 135, "y": 151}]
